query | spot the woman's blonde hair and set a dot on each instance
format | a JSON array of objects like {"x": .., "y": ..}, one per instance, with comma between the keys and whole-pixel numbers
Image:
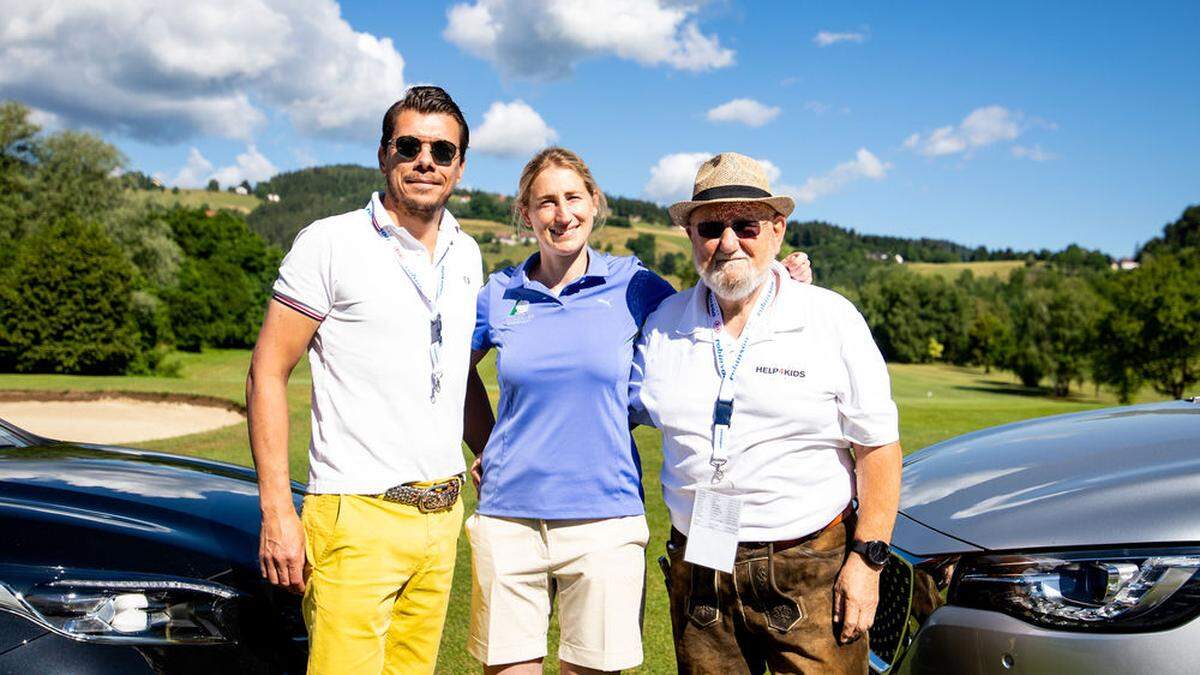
[{"x": 556, "y": 156}]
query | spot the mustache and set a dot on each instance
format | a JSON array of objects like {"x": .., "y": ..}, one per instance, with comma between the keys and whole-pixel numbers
[{"x": 717, "y": 260}]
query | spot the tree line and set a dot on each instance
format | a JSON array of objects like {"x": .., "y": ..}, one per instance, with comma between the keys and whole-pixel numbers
[
  {"x": 1062, "y": 321},
  {"x": 94, "y": 281}
]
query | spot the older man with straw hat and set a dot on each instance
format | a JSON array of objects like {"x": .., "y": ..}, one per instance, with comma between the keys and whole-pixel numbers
[{"x": 777, "y": 421}]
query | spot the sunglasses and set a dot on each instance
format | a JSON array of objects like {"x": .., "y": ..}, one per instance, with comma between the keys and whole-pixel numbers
[
  {"x": 408, "y": 147},
  {"x": 713, "y": 229}
]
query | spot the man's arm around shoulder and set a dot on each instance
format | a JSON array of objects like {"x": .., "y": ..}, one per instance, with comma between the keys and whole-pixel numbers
[{"x": 284, "y": 337}]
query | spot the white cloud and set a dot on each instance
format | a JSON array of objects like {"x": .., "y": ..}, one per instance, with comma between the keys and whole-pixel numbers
[
  {"x": 744, "y": 110},
  {"x": 982, "y": 127},
  {"x": 1035, "y": 153},
  {"x": 169, "y": 72},
  {"x": 512, "y": 130},
  {"x": 672, "y": 178},
  {"x": 817, "y": 107},
  {"x": 864, "y": 165},
  {"x": 195, "y": 171},
  {"x": 250, "y": 166},
  {"x": 46, "y": 120},
  {"x": 544, "y": 39},
  {"x": 826, "y": 38}
]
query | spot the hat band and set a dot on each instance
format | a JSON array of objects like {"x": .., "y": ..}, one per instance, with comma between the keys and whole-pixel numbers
[{"x": 730, "y": 191}]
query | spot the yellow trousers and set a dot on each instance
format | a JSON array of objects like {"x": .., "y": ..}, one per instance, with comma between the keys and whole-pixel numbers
[{"x": 379, "y": 576}]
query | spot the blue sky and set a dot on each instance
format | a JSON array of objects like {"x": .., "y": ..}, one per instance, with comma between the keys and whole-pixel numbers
[{"x": 1027, "y": 125}]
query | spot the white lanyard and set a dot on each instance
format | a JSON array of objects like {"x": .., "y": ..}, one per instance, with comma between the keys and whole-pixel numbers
[
  {"x": 723, "y": 409},
  {"x": 431, "y": 300}
]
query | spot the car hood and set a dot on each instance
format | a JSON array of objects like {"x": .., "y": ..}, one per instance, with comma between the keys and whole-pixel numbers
[
  {"x": 119, "y": 508},
  {"x": 1114, "y": 476}
]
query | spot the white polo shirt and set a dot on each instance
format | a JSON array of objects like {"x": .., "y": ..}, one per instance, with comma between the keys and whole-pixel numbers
[
  {"x": 374, "y": 424},
  {"x": 811, "y": 383}
]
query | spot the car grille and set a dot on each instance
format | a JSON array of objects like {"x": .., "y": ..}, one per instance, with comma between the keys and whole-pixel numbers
[{"x": 889, "y": 634}]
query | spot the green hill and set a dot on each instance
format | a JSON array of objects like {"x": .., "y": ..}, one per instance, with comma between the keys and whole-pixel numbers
[
  {"x": 311, "y": 194},
  {"x": 197, "y": 198},
  {"x": 983, "y": 268}
]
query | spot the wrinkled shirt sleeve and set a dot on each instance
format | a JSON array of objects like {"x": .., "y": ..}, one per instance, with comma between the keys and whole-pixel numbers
[{"x": 866, "y": 410}]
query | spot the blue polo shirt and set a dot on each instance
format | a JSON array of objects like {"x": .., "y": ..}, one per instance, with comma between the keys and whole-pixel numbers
[{"x": 561, "y": 447}]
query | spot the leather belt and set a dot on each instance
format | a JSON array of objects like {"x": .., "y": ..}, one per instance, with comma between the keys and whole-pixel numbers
[
  {"x": 437, "y": 497},
  {"x": 678, "y": 538}
]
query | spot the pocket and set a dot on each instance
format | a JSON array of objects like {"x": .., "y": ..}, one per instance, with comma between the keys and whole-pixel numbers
[
  {"x": 783, "y": 610},
  {"x": 702, "y": 607},
  {"x": 320, "y": 517},
  {"x": 639, "y": 531}
]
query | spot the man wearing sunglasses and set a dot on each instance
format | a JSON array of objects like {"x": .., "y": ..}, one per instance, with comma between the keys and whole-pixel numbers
[
  {"x": 776, "y": 414},
  {"x": 383, "y": 300}
]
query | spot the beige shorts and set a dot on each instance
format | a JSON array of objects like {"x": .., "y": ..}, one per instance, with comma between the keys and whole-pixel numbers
[{"x": 597, "y": 570}]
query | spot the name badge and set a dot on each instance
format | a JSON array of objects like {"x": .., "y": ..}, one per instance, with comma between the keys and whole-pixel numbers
[{"x": 713, "y": 534}]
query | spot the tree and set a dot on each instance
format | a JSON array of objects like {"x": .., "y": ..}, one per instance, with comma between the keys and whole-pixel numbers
[
  {"x": 905, "y": 311},
  {"x": 18, "y": 162},
  {"x": 67, "y": 306},
  {"x": 1152, "y": 331},
  {"x": 213, "y": 185},
  {"x": 1181, "y": 234},
  {"x": 670, "y": 263},
  {"x": 989, "y": 336},
  {"x": 224, "y": 280},
  {"x": 1054, "y": 327},
  {"x": 643, "y": 246},
  {"x": 75, "y": 177}
]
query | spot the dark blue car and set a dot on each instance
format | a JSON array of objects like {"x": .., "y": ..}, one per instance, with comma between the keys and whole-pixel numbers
[{"x": 115, "y": 560}]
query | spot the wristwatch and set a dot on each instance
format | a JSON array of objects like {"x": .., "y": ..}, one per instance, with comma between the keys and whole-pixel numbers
[{"x": 875, "y": 552}]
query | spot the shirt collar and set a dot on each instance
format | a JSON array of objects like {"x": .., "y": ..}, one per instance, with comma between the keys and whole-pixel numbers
[
  {"x": 597, "y": 267},
  {"x": 787, "y": 312},
  {"x": 448, "y": 227}
]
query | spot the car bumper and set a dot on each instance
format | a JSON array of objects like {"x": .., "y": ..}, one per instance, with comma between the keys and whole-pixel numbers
[{"x": 968, "y": 641}]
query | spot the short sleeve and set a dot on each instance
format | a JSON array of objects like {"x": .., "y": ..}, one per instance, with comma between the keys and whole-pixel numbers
[
  {"x": 305, "y": 280},
  {"x": 865, "y": 408},
  {"x": 645, "y": 293},
  {"x": 481, "y": 337}
]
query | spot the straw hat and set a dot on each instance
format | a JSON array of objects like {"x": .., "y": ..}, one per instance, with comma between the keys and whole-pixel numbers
[{"x": 730, "y": 177}]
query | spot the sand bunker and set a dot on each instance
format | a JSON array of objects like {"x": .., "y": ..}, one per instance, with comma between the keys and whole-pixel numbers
[{"x": 101, "y": 417}]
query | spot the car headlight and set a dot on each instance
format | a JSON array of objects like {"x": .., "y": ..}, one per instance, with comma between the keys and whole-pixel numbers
[
  {"x": 1127, "y": 590},
  {"x": 125, "y": 611}
]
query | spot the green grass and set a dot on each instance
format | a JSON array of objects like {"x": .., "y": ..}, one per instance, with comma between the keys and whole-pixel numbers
[
  {"x": 951, "y": 271},
  {"x": 935, "y": 401},
  {"x": 194, "y": 198}
]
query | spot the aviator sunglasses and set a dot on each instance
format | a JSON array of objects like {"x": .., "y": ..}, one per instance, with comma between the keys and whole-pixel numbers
[
  {"x": 408, "y": 147},
  {"x": 713, "y": 229}
]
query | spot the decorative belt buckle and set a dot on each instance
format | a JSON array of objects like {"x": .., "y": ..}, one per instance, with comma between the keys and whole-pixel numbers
[{"x": 438, "y": 498}]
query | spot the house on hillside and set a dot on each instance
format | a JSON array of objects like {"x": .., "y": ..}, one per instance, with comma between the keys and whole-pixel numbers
[
  {"x": 886, "y": 257},
  {"x": 273, "y": 198},
  {"x": 239, "y": 190},
  {"x": 1125, "y": 264},
  {"x": 462, "y": 199}
]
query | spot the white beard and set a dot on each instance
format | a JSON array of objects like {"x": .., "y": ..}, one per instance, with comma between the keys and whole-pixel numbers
[{"x": 729, "y": 285}]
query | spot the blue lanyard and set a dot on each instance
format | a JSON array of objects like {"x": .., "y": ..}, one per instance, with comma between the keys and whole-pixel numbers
[
  {"x": 723, "y": 409},
  {"x": 435, "y": 321}
]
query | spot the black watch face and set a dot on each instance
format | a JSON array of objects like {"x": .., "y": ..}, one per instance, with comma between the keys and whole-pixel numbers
[{"x": 877, "y": 552}]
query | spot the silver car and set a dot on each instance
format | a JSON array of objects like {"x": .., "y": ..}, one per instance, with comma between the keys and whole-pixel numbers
[{"x": 1067, "y": 544}]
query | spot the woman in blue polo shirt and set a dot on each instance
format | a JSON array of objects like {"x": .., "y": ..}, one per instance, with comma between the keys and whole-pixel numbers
[{"x": 560, "y": 508}]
